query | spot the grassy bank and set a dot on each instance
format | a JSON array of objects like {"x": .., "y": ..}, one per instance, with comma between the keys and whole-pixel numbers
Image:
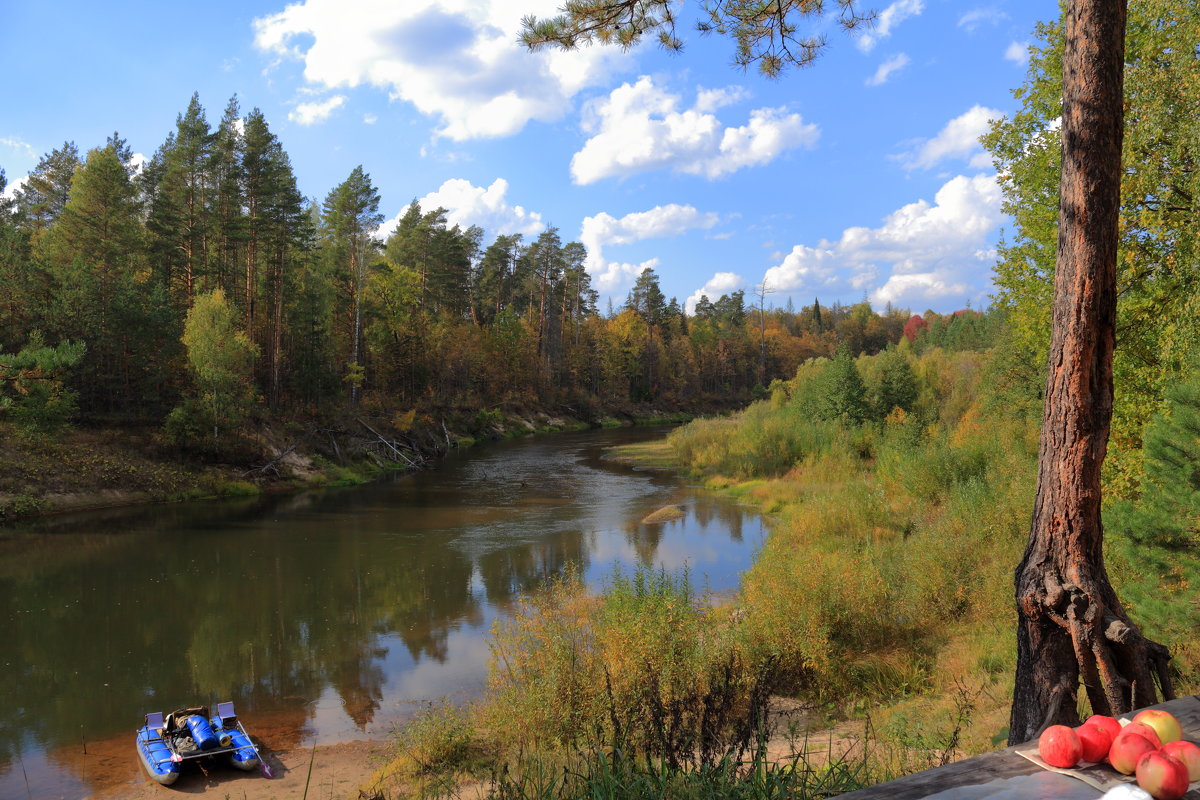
[{"x": 881, "y": 602}]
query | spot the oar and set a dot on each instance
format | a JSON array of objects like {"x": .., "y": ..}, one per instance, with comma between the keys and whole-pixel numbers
[{"x": 262, "y": 762}]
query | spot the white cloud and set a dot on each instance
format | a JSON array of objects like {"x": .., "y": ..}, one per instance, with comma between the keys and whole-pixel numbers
[
  {"x": 805, "y": 268},
  {"x": 719, "y": 284},
  {"x": 610, "y": 276},
  {"x": 896, "y": 62},
  {"x": 928, "y": 252},
  {"x": 980, "y": 16},
  {"x": 603, "y": 229},
  {"x": 312, "y": 113},
  {"x": 370, "y": 119},
  {"x": 958, "y": 139},
  {"x": 474, "y": 205},
  {"x": 455, "y": 60},
  {"x": 920, "y": 289},
  {"x": 137, "y": 162},
  {"x": 708, "y": 100},
  {"x": 10, "y": 191},
  {"x": 891, "y": 16},
  {"x": 1017, "y": 53},
  {"x": 488, "y": 208},
  {"x": 639, "y": 127},
  {"x": 22, "y": 147}
]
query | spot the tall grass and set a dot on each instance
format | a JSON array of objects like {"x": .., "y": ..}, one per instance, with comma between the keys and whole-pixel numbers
[
  {"x": 761, "y": 441},
  {"x": 805, "y": 774},
  {"x": 903, "y": 531},
  {"x": 649, "y": 663}
]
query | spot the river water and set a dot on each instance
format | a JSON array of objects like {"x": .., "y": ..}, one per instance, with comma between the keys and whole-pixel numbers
[{"x": 326, "y": 616}]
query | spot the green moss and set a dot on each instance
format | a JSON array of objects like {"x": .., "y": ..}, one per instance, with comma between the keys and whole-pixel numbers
[
  {"x": 21, "y": 505},
  {"x": 237, "y": 489}
]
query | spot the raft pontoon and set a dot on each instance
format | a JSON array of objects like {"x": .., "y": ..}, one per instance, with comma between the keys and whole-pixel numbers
[{"x": 164, "y": 743}]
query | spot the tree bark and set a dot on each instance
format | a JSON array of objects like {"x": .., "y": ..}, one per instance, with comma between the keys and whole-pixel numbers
[{"x": 1071, "y": 627}]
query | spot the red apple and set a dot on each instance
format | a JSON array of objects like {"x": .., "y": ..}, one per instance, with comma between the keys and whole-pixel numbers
[
  {"x": 1110, "y": 724},
  {"x": 1164, "y": 723},
  {"x": 1186, "y": 752},
  {"x": 1126, "y": 750},
  {"x": 1094, "y": 740},
  {"x": 1059, "y": 746},
  {"x": 1142, "y": 729},
  {"x": 1165, "y": 778}
]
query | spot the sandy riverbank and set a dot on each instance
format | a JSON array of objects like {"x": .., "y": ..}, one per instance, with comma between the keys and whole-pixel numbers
[{"x": 338, "y": 771}]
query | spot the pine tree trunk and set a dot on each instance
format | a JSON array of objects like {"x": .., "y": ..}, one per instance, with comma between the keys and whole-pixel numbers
[
  {"x": 1071, "y": 627},
  {"x": 251, "y": 263},
  {"x": 356, "y": 291},
  {"x": 277, "y": 328}
]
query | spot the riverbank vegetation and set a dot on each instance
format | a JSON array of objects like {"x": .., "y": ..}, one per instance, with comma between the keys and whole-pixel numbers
[{"x": 879, "y": 601}]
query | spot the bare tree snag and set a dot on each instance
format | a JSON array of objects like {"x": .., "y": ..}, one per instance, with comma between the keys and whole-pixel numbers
[{"x": 1071, "y": 627}]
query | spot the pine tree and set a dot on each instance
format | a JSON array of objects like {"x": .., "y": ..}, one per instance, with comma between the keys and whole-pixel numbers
[
  {"x": 44, "y": 195},
  {"x": 287, "y": 236},
  {"x": 94, "y": 255},
  {"x": 546, "y": 258},
  {"x": 312, "y": 374},
  {"x": 843, "y": 395},
  {"x": 648, "y": 302},
  {"x": 494, "y": 277},
  {"x": 897, "y": 384},
  {"x": 33, "y": 392},
  {"x": 226, "y": 200},
  {"x": 351, "y": 215},
  {"x": 120, "y": 146},
  {"x": 258, "y": 146},
  {"x": 178, "y": 221},
  {"x": 1170, "y": 501},
  {"x": 22, "y": 293}
]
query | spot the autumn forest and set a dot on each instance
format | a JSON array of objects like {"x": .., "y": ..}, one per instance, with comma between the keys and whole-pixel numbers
[{"x": 202, "y": 291}]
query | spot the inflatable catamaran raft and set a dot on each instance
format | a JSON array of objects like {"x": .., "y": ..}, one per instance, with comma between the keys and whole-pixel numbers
[{"x": 164, "y": 743}]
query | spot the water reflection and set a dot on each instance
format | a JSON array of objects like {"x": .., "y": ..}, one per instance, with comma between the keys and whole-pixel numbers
[{"x": 340, "y": 606}]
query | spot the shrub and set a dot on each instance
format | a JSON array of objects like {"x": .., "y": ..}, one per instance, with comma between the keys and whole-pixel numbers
[{"x": 438, "y": 739}]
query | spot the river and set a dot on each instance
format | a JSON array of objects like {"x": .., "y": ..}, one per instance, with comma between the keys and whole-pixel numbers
[{"x": 328, "y": 616}]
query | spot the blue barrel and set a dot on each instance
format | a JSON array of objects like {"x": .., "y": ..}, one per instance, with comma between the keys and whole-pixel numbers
[{"x": 202, "y": 732}]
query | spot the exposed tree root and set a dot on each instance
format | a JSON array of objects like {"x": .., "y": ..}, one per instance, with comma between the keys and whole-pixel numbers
[{"x": 1070, "y": 638}]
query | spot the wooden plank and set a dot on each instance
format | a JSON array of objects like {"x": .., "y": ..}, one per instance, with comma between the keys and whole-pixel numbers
[{"x": 1002, "y": 764}]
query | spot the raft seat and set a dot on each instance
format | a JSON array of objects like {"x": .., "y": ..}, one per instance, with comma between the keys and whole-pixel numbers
[
  {"x": 154, "y": 721},
  {"x": 226, "y": 713}
]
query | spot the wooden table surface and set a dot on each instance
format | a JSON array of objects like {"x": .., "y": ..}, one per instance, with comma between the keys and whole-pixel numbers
[{"x": 1003, "y": 764}]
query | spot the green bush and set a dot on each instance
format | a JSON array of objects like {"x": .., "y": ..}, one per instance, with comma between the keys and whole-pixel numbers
[{"x": 438, "y": 739}]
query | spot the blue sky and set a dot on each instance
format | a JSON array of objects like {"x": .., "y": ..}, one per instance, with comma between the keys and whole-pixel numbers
[{"x": 856, "y": 177}]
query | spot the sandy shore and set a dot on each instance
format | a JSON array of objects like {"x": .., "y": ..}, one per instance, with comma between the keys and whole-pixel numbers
[
  {"x": 338, "y": 771},
  {"x": 109, "y": 769}
]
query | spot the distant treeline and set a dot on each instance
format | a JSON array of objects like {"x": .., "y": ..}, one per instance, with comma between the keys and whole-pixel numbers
[{"x": 202, "y": 286}]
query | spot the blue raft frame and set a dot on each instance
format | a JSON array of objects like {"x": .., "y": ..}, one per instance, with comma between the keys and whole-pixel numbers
[{"x": 160, "y": 745}]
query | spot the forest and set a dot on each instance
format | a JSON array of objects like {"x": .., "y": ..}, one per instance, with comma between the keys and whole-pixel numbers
[{"x": 200, "y": 291}]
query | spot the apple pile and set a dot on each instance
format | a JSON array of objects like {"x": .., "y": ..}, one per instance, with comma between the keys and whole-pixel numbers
[{"x": 1149, "y": 748}]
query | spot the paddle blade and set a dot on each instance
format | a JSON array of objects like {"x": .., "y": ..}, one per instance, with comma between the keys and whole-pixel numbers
[{"x": 264, "y": 769}]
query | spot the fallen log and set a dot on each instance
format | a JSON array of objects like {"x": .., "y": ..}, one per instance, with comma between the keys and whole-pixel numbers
[
  {"x": 271, "y": 465},
  {"x": 390, "y": 445}
]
